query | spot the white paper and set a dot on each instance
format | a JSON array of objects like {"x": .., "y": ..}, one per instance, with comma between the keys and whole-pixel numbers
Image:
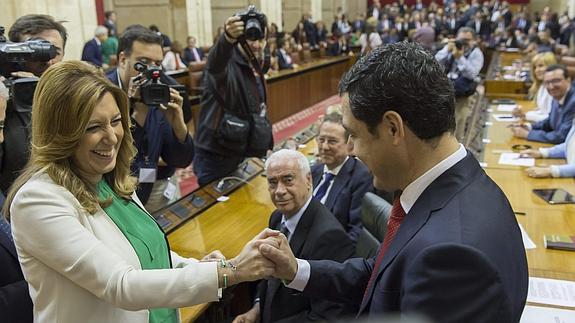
[
  {"x": 509, "y": 77},
  {"x": 506, "y": 107},
  {"x": 222, "y": 198},
  {"x": 505, "y": 118},
  {"x": 514, "y": 160},
  {"x": 527, "y": 242},
  {"x": 551, "y": 292},
  {"x": 536, "y": 314}
]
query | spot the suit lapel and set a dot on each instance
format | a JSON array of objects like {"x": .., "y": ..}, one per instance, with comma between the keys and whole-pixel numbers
[
  {"x": 433, "y": 198},
  {"x": 316, "y": 175},
  {"x": 339, "y": 182}
]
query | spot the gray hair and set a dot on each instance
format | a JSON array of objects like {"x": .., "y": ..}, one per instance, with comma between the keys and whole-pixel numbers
[
  {"x": 290, "y": 154},
  {"x": 101, "y": 30},
  {"x": 466, "y": 30}
]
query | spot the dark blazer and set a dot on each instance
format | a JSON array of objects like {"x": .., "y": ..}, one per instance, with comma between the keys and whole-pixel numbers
[
  {"x": 555, "y": 128},
  {"x": 92, "y": 53},
  {"x": 282, "y": 62},
  {"x": 317, "y": 236},
  {"x": 346, "y": 194},
  {"x": 189, "y": 55},
  {"x": 15, "y": 302},
  {"x": 457, "y": 257}
]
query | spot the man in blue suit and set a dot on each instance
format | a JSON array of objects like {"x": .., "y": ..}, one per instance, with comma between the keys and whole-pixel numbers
[
  {"x": 453, "y": 250},
  {"x": 92, "y": 52},
  {"x": 340, "y": 181},
  {"x": 193, "y": 54},
  {"x": 555, "y": 128}
]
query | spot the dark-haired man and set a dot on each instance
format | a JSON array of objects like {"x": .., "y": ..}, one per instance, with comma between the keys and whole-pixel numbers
[
  {"x": 159, "y": 131},
  {"x": 340, "y": 181},
  {"x": 231, "y": 84},
  {"x": 17, "y": 122},
  {"x": 453, "y": 250},
  {"x": 555, "y": 128}
]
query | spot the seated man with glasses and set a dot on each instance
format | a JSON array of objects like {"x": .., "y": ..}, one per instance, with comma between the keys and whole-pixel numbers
[
  {"x": 340, "y": 181},
  {"x": 555, "y": 128},
  {"x": 160, "y": 132}
]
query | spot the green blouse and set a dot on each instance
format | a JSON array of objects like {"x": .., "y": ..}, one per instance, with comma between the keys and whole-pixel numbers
[{"x": 146, "y": 238}]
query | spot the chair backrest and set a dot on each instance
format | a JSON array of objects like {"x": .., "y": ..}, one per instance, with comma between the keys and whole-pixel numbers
[{"x": 375, "y": 212}]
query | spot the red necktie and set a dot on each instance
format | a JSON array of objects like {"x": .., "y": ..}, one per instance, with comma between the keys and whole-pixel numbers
[{"x": 397, "y": 215}]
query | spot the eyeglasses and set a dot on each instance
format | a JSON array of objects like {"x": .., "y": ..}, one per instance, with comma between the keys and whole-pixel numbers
[{"x": 553, "y": 82}]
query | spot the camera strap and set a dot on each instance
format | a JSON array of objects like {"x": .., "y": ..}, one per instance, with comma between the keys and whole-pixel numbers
[{"x": 255, "y": 64}]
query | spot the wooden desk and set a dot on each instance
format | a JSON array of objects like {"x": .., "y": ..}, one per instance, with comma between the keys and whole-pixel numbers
[{"x": 500, "y": 81}]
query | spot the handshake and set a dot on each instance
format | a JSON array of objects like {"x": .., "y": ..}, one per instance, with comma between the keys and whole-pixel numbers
[{"x": 267, "y": 255}]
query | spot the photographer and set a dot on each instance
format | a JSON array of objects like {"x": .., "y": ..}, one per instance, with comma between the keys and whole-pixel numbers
[
  {"x": 17, "y": 119},
  {"x": 159, "y": 130},
  {"x": 463, "y": 61},
  {"x": 233, "y": 121}
]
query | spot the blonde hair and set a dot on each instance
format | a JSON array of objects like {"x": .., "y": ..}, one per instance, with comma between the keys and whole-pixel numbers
[
  {"x": 64, "y": 101},
  {"x": 547, "y": 58}
]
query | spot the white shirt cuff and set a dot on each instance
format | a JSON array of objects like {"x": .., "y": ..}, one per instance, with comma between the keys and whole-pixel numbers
[
  {"x": 544, "y": 152},
  {"x": 301, "y": 277},
  {"x": 555, "y": 171}
]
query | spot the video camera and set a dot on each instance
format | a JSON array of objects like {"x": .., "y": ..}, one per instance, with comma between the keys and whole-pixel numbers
[
  {"x": 152, "y": 92},
  {"x": 12, "y": 55},
  {"x": 255, "y": 23}
]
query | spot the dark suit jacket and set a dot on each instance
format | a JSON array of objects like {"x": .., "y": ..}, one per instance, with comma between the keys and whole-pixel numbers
[
  {"x": 457, "y": 257},
  {"x": 317, "y": 236},
  {"x": 189, "y": 55},
  {"x": 92, "y": 53},
  {"x": 346, "y": 194},
  {"x": 15, "y": 302}
]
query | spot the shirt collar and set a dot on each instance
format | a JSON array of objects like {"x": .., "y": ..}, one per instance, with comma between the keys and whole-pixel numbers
[
  {"x": 292, "y": 222},
  {"x": 415, "y": 188},
  {"x": 119, "y": 78},
  {"x": 98, "y": 41},
  {"x": 336, "y": 170}
]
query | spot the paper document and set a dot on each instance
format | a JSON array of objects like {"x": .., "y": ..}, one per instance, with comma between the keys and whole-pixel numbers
[
  {"x": 527, "y": 242},
  {"x": 506, "y": 107},
  {"x": 551, "y": 292},
  {"x": 505, "y": 118},
  {"x": 514, "y": 160},
  {"x": 536, "y": 314}
]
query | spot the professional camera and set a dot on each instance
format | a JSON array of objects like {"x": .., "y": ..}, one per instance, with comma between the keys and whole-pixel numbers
[
  {"x": 255, "y": 23},
  {"x": 38, "y": 50},
  {"x": 152, "y": 92},
  {"x": 12, "y": 55},
  {"x": 461, "y": 44}
]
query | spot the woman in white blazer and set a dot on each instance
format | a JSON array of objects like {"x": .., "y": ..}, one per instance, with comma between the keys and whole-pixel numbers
[{"x": 88, "y": 249}]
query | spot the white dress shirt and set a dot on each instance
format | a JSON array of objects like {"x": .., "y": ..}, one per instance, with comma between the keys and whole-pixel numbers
[{"x": 408, "y": 198}]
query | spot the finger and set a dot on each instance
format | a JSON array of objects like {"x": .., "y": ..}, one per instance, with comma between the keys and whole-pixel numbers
[
  {"x": 273, "y": 254},
  {"x": 267, "y": 232}
]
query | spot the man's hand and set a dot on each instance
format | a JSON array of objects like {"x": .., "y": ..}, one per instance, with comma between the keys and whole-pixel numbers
[
  {"x": 283, "y": 258},
  {"x": 174, "y": 114},
  {"x": 234, "y": 28},
  {"x": 213, "y": 256},
  {"x": 250, "y": 264},
  {"x": 22, "y": 74},
  {"x": 520, "y": 132},
  {"x": 518, "y": 112},
  {"x": 538, "y": 172},
  {"x": 531, "y": 153},
  {"x": 251, "y": 316}
]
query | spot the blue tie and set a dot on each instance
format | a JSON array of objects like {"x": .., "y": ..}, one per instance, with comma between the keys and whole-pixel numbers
[
  {"x": 5, "y": 227},
  {"x": 328, "y": 177}
]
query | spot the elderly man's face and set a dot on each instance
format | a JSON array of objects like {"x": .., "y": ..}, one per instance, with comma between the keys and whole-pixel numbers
[{"x": 289, "y": 187}]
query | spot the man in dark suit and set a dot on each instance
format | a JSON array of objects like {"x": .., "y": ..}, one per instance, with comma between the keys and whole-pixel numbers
[
  {"x": 480, "y": 25},
  {"x": 312, "y": 233},
  {"x": 340, "y": 181},
  {"x": 193, "y": 54},
  {"x": 92, "y": 52},
  {"x": 15, "y": 302},
  {"x": 553, "y": 129},
  {"x": 453, "y": 250}
]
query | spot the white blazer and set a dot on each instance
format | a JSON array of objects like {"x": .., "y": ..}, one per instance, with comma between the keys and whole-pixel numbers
[{"x": 81, "y": 268}]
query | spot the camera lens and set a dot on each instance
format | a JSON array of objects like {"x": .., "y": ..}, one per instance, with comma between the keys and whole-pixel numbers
[{"x": 254, "y": 30}]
